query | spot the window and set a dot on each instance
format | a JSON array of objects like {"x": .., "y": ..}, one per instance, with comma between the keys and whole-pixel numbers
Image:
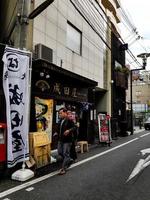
[
  {"x": 74, "y": 38},
  {"x": 138, "y": 93}
]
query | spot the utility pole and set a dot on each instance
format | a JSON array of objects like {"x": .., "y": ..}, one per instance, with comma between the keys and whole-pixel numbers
[
  {"x": 131, "y": 105},
  {"x": 22, "y": 23}
]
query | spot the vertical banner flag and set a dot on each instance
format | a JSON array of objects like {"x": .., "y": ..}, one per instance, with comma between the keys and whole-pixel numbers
[
  {"x": 44, "y": 115},
  {"x": 16, "y": 83}
]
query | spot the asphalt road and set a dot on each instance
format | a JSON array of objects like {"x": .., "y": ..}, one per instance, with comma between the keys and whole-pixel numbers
[{"x": 101, "y": 175}]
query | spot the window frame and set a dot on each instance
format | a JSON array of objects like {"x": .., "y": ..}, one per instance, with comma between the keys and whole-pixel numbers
[{"x": 75, "y": 28}]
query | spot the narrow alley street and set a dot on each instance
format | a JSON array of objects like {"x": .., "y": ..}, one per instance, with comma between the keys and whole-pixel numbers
[
  {"x": 100, "y": 174},
  {"x": 74, "y": 100}
]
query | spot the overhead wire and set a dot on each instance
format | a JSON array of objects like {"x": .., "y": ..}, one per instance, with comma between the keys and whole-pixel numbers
[
  {"x": 137, "y": 38},
  {"x": 133, "y": 28},
  {"x": 144, "y": 48},
  {"x": 101, "y": 31},
  {"x": 78, "y": 6},
  {"x": 95, "y": 21},
  {"x": 101, "y": 26},
  {"x": 126, "y": 18}
]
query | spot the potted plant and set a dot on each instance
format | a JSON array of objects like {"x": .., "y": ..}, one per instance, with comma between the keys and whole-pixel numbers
[
  {"x": 125, "y": 70},
  {"x": 118, "y": 69}
]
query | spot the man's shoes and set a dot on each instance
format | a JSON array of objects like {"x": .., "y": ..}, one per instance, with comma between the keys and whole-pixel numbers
[{"x": 62, "y": 172}]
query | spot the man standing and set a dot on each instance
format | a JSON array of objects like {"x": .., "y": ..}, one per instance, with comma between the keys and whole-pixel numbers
[
  {"x": 73, "y": 153},
  {"x": 66, "y": 126}
]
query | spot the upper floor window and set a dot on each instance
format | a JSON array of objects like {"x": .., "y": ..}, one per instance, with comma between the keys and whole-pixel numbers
[
  {"x": 138, "y": 93},
  {"x": 74, "y": 38}
]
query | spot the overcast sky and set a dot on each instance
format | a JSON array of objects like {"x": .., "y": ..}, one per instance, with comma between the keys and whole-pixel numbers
[{"x": 139, "y": 14}]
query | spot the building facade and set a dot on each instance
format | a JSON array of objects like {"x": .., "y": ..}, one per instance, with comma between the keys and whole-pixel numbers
[
  {"x": 73, "y": 58},
  {"x": 118, "y": 80},
  {"x": 78, "y": 40},
  {"x": 140, "y": 95}
]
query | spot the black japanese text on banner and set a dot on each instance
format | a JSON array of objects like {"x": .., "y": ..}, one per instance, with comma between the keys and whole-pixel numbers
[{"x": 16, "y": 89}]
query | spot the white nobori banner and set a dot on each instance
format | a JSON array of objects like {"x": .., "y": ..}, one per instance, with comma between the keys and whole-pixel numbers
[{"x": 16, "y": 78}]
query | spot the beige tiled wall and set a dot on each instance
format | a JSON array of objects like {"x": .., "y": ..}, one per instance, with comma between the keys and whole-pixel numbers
[{"x": 50, "y": 29}]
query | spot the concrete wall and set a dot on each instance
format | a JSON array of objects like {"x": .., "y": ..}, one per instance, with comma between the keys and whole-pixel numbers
[
  {"x": 50, "y": 29},
  {"x": 140, "y": 93}
]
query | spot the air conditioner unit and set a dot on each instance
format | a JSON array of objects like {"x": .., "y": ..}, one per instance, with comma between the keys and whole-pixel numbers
[{"x": 43, "y": 52}]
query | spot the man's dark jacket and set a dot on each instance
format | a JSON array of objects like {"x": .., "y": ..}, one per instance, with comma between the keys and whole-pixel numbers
[{"x": 67, "y": 125}]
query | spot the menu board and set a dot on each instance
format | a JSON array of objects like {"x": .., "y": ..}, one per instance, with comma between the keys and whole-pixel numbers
[{"x": 104, "y": 128}]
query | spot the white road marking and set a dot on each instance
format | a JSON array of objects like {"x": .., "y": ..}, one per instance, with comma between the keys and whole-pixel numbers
[
  {"x": 103, "y": 153},
  {"x": 145, "y": 151},
  {"x": 37, "y": 180},
  {"x": 146, "y": 164},
  {"x": 136, "y": 170},
  {"x": 142, "y": 163},
  {"x": 6, "y": 199},
  {"x": 30, "y": 189},
  {"x": 145, "y": 134}
]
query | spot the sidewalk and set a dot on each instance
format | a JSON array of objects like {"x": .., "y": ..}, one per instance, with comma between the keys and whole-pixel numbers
[
  {"x": 6, "y": 182},
  {"x": 138, "y": 130}
]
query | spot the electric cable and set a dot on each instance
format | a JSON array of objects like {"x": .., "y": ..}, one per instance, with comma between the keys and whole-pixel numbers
[
  {"x": 88, "y": 21},
  {"x": 128, "y": 51},
  {"x": 126, "y": 18},
  {"x": 95, "y": 21}
]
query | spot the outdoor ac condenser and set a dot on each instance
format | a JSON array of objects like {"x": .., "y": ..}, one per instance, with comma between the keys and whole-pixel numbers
[{"x": 43, "y": 52}]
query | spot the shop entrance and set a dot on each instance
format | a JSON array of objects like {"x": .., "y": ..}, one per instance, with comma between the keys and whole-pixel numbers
[{"x": 83, "y": 126}]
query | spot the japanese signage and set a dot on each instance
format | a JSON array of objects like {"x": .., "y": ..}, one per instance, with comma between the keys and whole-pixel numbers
[
  {"x": 104, "y": 128},
  {"x": 59, "y": 89},
  {"x": 64, "y": 90},
  {"x": 16, "y": 89},
  {"x": 44, "y": 115}
]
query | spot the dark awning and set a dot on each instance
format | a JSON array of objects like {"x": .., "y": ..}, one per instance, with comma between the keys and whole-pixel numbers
[{"x": 62, "y": 73}]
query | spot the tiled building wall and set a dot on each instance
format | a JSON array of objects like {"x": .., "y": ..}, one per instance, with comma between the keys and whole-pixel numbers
[
  {"x": 50, "y": 29},
  {"x": 140, "y": 93}
]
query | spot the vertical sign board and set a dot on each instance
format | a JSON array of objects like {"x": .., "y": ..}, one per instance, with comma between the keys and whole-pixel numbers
[
  {"x": 44, "y": 115},
  {"x": 104, "y": 128},
  {"x": 16, "y": 83}
]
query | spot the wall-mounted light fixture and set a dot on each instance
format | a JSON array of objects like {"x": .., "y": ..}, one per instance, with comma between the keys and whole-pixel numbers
[
  {"x": 44, "y": 74},
  {"x": 47, "y": 76},
  {"x": 112, "y": 81}
]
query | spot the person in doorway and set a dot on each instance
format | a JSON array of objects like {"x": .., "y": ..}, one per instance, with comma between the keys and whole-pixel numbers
[
  {"x": 140, "y": 123},
  {"x": 73, "y": 153},
  {"x": 65, "y": 128}
]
